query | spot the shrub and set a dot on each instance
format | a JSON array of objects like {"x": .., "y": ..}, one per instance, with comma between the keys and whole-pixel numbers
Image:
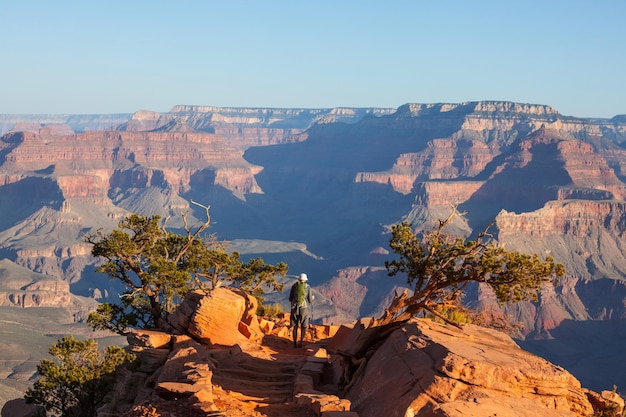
[{"x": 79, "y": 379}]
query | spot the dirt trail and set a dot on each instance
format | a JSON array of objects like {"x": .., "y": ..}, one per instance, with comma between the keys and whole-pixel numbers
[
  {"x": 250, "y": 380},
  {"x": 259, "y": 380}
]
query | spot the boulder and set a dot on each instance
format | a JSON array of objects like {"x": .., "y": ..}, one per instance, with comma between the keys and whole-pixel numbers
[
  {"x": 213, "y": 318},
  {"x": 148, "y": 338}
]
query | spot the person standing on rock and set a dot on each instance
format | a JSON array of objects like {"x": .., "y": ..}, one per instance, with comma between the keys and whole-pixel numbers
[{"x": 301, "y": 299}]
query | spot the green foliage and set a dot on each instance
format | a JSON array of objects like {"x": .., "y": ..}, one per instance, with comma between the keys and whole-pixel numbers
[
  {"x": 454, "y": 315},
  {"x": 159, "y": 267},
  {"x": 270, "y": 310},
  {"x": 112, "y": 317},
  {"x": 78, "y": 380},
  {"x": 439, "y": 267},
  {"x": 254, "y": 277},
  {"x": 489, "y": 317}
]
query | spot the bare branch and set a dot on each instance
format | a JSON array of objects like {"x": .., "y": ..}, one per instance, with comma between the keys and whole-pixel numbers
[
  {"x": 191, "y": 235},
  {"x": 186, "y": 226},
  {"x": 206, "y": 210}
]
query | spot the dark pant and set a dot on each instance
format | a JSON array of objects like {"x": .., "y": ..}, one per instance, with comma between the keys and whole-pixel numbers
[{"x": 299, "y": 318}]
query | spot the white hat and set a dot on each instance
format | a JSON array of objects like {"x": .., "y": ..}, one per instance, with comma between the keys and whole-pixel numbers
[{"x": 303, "y": 277}]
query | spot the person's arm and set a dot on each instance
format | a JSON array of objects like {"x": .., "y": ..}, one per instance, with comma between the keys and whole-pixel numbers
[
  {"x": 309, "y": 295},
  {"x": 291, "y": 294}
]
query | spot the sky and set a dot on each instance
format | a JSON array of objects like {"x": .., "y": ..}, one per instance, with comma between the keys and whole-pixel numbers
[{"x": 99, "y": 57}]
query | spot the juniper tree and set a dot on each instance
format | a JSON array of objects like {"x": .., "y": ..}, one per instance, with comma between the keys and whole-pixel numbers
[
  {"x": 159, "y": 267},
  {"x": 439, "y": 268}
]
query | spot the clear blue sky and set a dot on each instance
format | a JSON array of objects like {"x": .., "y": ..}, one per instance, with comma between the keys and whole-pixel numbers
[{"x": 122, "y": 56}]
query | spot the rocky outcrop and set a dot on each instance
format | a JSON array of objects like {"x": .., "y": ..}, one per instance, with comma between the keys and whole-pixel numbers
[
  {"x": 216, "y": 362},
  {"x": 428, "y": 369},
  {"x": 421, "y": 368},
  {"x": 171, "y": 368}
]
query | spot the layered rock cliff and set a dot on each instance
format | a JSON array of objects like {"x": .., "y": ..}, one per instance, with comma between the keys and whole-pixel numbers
[
  {"x": 243, "y": 128},
  {"x": 91, "y": 164},
  {"x": 332, "y": 181}
]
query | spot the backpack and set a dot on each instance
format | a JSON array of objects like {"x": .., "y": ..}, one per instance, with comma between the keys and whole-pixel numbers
[{"x": 300, "y": 296}]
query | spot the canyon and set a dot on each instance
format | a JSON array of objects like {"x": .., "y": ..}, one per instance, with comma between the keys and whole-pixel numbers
[{"x": 319, "y": 189}]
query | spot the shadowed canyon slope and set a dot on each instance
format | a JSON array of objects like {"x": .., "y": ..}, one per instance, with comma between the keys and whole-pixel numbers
[{"x": 319, "y": 188}]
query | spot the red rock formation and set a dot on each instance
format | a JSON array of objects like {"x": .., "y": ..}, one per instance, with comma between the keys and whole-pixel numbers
[
  {"x": 428, "y": 369},
  {"x": 575, "y": 217},
  {"x": 421, "y": 369},
  {"x": 214, "y": 318},
  {"x": 88, "y": 164}
]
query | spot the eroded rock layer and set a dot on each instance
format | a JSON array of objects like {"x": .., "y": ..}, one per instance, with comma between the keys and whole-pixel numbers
[{"x": 330, "y": 181}]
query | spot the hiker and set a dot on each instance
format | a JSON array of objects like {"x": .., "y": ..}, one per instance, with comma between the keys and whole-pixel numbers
[{"x": 300, "y": 298}]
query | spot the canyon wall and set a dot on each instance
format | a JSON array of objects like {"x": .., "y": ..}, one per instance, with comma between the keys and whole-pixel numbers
[{"x": 331, "y": 181}]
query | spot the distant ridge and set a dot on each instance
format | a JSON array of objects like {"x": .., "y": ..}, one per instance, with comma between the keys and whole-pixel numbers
[
  {"x": 176, "y": 125},
  {"x": 78, "y": 122}
]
